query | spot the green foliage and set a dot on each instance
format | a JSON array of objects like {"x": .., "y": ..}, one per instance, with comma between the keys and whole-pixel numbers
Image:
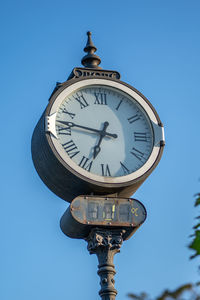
[
  {"x": 189, "y": 290},
  {"x": 197, "y": 202},
  {"x": 195, "y": 244},
  {"x": 142, "y": 296},
  {"x": 177, "y": 293}
]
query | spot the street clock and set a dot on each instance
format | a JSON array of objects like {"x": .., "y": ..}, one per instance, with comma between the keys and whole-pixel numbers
[
  {"x": 97, "y": 134},
  {"x": 95, "y": 144}
]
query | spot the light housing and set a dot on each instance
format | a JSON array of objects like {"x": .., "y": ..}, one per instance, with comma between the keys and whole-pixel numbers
[{"x": 87, "y": 212}]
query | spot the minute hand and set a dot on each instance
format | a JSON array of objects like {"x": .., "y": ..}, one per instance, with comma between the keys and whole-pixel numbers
[{"x": 71, "y": 124}]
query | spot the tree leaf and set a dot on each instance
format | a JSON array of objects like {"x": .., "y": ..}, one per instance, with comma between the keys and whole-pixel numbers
[
  {"x": 196, "y": 226},
  {"x": 176, "y": 293},
  {"x": 197, "y": 202},
  {"x": 195, "y": 245},
  {"x": 142, "y": 296}
]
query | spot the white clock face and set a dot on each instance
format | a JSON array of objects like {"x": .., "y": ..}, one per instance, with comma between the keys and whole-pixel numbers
[{"x": 103, "y": 132}]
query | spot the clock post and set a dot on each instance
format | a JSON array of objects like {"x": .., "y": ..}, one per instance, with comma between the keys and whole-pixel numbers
[
  {"x": 95, "y": 144},
  {"x": 105, "y": 244}
]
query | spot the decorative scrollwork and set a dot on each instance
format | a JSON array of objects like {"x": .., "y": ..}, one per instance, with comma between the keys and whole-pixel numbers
[
  {"x": 85, "y": 72},
  {"x": 100, "y": 238}
]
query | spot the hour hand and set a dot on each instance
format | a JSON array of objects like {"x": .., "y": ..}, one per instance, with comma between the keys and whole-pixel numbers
[{"x": 97, "y": 149}]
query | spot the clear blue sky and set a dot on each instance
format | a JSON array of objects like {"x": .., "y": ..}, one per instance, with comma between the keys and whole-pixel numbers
[{"x": 155, "y": 45}]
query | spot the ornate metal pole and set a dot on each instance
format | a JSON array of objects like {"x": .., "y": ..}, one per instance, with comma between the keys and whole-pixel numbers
[{"x": 105, "y": 244}]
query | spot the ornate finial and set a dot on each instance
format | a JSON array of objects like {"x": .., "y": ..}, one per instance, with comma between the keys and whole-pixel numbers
[{"x": 90, "y": 60}]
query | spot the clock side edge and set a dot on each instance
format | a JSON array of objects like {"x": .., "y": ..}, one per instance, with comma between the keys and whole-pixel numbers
[{"x": 55, "y": 176}]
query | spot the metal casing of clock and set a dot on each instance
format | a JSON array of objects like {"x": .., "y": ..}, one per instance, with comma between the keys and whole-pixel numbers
[{"x": 97, "y": 135}]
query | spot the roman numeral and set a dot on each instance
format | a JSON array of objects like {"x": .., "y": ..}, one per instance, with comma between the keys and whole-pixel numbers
[
  {"x": 69, "y": 148},
  {"x": 138, "y": 154},
  {"x": 105, "y": 170},
  {"x": 84, "y": 163},
  {"x": 69, "y": 113},
  {"x": 80, "y": 98},
  {"x": 140, "y": 136},
  {"x": 64, "y": 131},
  {"x": 100, "y": 98},
  {"x": 120, "y": 102},
  {"x": 133, "y": 119},
  {"x": 125, "y": 169}
]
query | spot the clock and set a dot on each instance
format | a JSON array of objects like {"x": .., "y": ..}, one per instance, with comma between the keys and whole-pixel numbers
[
  {"x": 97, "y": 135},
  {"x": 102, "y": 132}
]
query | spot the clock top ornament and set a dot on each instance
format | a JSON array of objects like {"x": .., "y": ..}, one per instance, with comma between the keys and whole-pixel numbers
[
  {"x": 91, "y": 64},
  {"x": 90, "y": 60},
  {"x": 98, "y": 135}
]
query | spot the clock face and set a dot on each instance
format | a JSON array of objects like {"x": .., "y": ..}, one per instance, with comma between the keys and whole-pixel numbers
[{"x": 101, "y": 131}]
